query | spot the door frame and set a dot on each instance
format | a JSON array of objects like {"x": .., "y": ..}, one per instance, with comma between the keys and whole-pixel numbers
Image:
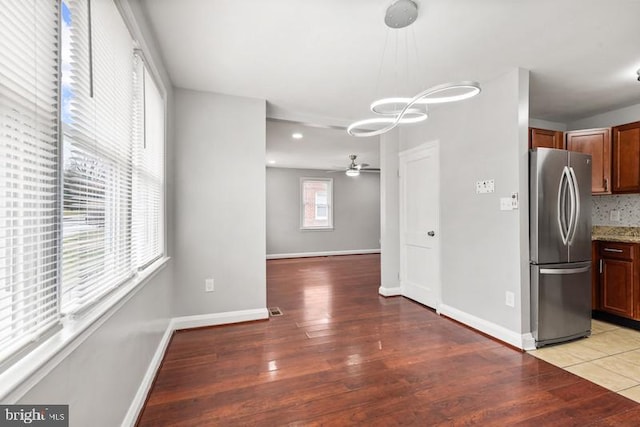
[{"x": 405, "y": 156}]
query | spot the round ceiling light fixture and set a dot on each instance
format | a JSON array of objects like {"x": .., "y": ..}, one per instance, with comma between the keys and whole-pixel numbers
[
  {"x": 401, "y": 13},
  {"x": 296, "y": 135}
]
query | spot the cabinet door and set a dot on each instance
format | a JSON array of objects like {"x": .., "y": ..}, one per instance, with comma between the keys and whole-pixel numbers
[
  {"x": 617, "y": 287},
  {"x": 596, "y": 142},
  {"x": 545, "y": 138},
  {"x": 626, "y": 158}
]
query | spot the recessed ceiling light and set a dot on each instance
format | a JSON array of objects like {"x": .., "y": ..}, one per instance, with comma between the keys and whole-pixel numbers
[
  {"x": 296, "y": 135},
  {"x": 272, "y": 162}
]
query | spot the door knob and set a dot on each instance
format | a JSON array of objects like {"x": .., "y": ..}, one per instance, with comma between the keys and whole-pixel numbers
[{"x": 431, "y": 233}]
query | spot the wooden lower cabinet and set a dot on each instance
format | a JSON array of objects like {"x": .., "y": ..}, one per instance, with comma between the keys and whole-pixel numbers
[
  {"x": 617, "y": 287},
  {"x": 619, "y": 290}
]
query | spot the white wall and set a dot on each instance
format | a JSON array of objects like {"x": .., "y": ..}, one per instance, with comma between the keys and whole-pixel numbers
[
  {"x": 546, "y": 124},
  {"x": 100, "y": 378},
  {"x": 356, "y": 213},
  {"x": 389, "y": 214},
  {"x": 610, "y": 118},
  {"x": 219, "y": 203},
  {"x": 484, "y": 250}
]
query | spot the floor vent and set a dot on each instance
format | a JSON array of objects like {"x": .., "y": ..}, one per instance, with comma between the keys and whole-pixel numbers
[{"x": 275, "y": 311}]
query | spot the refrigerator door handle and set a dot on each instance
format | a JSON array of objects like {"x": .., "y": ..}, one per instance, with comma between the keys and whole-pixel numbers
[
  {"x": 575, "y": 205},
  {"x": 564, "y": 270},
  {"x": 562, "y": 206}
]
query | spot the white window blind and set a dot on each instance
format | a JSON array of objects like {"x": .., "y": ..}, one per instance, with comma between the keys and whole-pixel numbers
[
  {"x": 29, "y": 196},
  {"x": 98, "y": 151},
  {"x": 148, "y": 163}
]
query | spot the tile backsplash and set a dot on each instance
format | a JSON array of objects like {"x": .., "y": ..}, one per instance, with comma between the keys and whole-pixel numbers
[{"x": 627, "y": 205}]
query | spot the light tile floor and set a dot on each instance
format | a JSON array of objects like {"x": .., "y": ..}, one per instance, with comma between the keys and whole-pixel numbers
[{"x": 610, "y": 357}]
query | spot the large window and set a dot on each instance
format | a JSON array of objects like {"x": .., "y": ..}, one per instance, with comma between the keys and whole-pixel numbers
[
  {"x": 81, "y": 162},
  {"x": 29, "y": 179},
  {"x": 316, "y": 210}
]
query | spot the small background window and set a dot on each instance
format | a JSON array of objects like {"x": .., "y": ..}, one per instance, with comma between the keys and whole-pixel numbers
[{"x": 316, "y": 206}]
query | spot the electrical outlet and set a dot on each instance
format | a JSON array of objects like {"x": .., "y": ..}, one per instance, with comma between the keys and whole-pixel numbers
[
  {"x": 614, "y": 215},
  {"x": 208, "y": 285},
  {"x": 506, "y": 204},
  {"x": 510, "y": 299}
]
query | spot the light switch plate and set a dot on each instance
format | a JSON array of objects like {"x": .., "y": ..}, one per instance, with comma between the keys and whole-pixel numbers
[{"x": 485, "y": 186}]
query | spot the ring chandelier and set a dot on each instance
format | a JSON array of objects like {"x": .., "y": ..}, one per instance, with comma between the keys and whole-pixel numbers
[
  {"x": 396, "y": 111},
  {"x": 412, "y": 110}
]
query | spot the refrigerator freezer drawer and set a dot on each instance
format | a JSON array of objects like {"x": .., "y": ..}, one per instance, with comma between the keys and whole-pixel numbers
[{"x": 560, "y": 302}]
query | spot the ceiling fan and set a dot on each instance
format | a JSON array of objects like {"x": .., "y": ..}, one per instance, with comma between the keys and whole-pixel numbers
[{"x": 354, "y": 168}]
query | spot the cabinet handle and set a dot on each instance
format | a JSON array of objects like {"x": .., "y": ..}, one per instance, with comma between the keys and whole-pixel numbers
[
  {"x": 600, "y": 265},
  {"x": 612, "y": 250},
  {"x": 606, "y": 184}
]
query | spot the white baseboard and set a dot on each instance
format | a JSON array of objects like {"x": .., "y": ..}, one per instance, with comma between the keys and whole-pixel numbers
[
  {"x": 496, "y": 331},
  {"x": 324, "y": 253},
  {"x": 177, "y": 323},
  {"x": 528, "y": 342},
  {"x": 390, "y": 292},
  {"x": 200, "y": 320},
  {"x": 141, "y": 395}
]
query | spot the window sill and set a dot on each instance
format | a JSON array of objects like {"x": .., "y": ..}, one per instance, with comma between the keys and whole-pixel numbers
[
  {"x": 316, "y": 228},
  {"x": 23, "y": 375}
]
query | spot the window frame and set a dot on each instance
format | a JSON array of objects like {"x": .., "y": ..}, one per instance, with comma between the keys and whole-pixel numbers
[
  {"x": 302, "y": 205},
  {"x": 72, "y": 329}
]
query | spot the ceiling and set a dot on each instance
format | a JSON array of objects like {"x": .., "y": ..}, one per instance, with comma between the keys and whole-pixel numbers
[
  {"x": 322, "y": 58},
  {"x": 319, "y": 148}
]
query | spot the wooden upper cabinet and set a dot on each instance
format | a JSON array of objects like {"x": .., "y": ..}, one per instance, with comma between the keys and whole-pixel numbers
[
  {"x": 626, "y": 158},
  {"x": 545, "y": 138},
  {"x": 596, "y": 142}
]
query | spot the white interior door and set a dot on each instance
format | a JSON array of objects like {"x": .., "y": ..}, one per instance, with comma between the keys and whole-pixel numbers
[{"x": 419, "y": 231}]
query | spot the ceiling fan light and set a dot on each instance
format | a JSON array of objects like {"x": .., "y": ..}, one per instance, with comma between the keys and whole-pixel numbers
[{"x": 352, "y": 172}]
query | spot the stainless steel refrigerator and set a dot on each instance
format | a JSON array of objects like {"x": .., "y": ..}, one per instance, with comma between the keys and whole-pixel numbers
[{"x": 560, "y": 239}]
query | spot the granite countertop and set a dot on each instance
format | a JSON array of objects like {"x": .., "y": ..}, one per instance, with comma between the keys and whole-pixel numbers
[{"x": 616, "y": 234}]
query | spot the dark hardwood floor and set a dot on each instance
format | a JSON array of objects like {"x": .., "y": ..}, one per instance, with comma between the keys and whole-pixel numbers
[{"x": 343, "y": 355}]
